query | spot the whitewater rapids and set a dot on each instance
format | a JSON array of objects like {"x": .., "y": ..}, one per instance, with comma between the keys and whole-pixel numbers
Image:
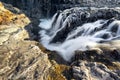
[{"x": 82, "y": 37}]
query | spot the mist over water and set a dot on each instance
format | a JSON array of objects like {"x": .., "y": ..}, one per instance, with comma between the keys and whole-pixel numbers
[{"x": 82, "y": 37}]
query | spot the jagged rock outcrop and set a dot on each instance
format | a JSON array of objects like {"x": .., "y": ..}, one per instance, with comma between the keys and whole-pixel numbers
[
  {"x": 20, "y": 58},
  {"x": 93, "y": 71},
  {"x": 98, "y": 64},
  {"x": 12, "y": 24}
]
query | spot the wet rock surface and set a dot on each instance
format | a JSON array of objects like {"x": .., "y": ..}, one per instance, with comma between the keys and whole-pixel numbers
[
  {"x": 97, "y": 64},
  {"x": 75, "y": 17},
  {"x": 93, "y": 71}
]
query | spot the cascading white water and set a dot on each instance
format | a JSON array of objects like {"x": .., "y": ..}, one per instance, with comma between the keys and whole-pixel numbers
[{"x": 82, "y": 37}]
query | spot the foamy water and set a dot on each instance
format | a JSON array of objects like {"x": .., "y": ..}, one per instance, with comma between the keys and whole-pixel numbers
[{"x": 83, "y": 37}]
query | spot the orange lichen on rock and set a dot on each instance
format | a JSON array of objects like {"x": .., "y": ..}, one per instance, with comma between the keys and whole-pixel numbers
[
  {"x": 5, "y": 15},
  {"x": 56, "y": 71},
  {"x": 8, "y": 17}
]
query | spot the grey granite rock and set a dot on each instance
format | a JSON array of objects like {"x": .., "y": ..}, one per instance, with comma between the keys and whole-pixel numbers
[{"x": 93, "y": 71}]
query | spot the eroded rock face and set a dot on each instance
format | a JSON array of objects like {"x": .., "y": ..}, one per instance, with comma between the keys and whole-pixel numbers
[
  {"x": 12, "y": 25},
  {"x": 20, "y": 58}
]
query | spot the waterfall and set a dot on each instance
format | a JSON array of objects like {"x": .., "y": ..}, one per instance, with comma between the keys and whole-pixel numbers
[{"x": 68, "y": 33}]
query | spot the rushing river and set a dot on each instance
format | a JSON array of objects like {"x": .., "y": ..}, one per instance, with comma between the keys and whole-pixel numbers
[{"x": 63, "y": 36}]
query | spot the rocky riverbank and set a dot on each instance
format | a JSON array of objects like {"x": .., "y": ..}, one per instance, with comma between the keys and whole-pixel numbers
[{"x": 21, "y": 58}]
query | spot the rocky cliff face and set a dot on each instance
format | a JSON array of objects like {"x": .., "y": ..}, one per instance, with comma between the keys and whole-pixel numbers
[{"x": 20, "y": 58}]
